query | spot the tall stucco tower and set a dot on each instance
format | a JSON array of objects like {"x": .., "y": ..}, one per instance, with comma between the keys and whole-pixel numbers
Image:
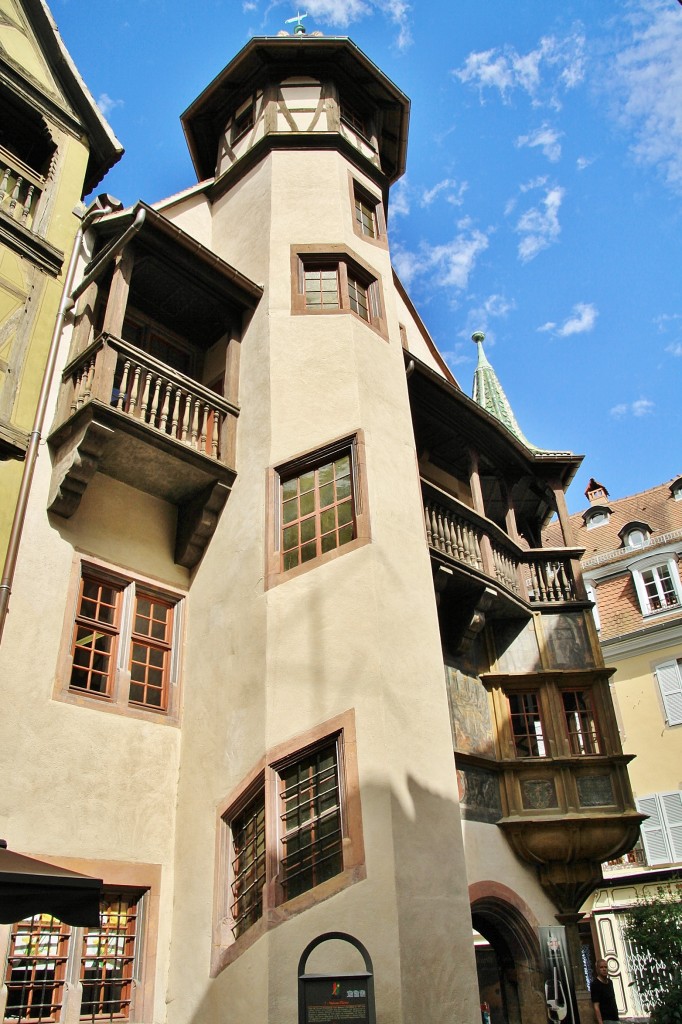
[{"x": 309, "y": 669}]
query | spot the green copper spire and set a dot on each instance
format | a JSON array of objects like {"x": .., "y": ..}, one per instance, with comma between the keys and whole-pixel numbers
[{"x": 488, "y": 393}]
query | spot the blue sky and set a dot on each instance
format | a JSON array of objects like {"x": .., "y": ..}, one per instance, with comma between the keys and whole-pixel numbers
[{"x": 542, "y": 201}]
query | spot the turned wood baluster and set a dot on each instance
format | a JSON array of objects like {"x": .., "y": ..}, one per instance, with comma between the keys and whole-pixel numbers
[
  {"x": 434, "y": 527},
  {"x": 216, "y": 434},
  {"x": 176, "y": 413},
  {"x": 27, "y": 203},
  {"x": 186, "y": 418},
  {"x": 447, "y": 524},
  {"x": 205, "y": 410},
  {"x": 459, "y": 539},
  {"x": 120, "y": 401},
  {"x": 86, "y": 391},
  {"x": 427, "y": 524},
  {"x": 15, "y": 194},
  {"x": 542, "y": 581},
  {"x": 145, "y": 396},
  {"x": 4, "y": 183},
  {"x": 166, "y": 405},
  {"x": 195, "y": 425},
  {"x": 154, "y": 404},
  {"x": 134, "y": 391}
]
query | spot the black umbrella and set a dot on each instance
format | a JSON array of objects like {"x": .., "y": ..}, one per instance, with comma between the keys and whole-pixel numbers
[{"x": 29, "y": 886}]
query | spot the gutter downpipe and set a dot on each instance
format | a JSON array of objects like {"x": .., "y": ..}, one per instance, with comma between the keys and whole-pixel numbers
[{"x": 66, "y": 303}]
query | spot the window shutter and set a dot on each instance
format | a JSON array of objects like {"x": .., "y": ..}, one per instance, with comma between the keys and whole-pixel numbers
[
  {"x": 653, "y": 833},
  {"x": 670, "y": 684},
  {"x": 672, "y": 815}
]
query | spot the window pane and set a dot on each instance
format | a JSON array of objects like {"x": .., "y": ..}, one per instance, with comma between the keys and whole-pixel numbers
[
  {"x": 357, "y": 296},
  {"x": 526, "y": 723},
  {"x": 323, "y": 516},
  {"x": 107, "y": 959},
  {"x": 248, "y": 865},
  {"x": 321, "y": 288},
  {"x": 311, "y": 820},
  {"x": 36, "y": 967},
  {"x": 580, "y": 723}
]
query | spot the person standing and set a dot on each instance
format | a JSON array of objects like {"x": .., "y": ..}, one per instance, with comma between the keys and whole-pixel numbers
[{"x": 603, "y": 996}]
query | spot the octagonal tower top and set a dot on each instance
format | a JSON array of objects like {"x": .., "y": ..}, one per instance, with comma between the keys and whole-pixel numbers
[{"x": 298, "y": 92}]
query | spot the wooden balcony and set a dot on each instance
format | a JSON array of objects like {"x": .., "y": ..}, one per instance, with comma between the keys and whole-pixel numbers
[
  {"x": 469, "y": 542},
  {"x": 20, "y": 188},
  {"x": 126, "y": 414}
]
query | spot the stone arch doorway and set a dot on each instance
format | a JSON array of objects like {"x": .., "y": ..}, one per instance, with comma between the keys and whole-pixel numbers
[{"x": 508, "y": 960}]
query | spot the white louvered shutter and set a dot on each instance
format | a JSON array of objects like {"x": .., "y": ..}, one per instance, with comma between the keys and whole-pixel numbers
[
  {"x": 669, "y": 680},
  {"x": 653, "y": 832},
  {"x": 671, "y": 804}
]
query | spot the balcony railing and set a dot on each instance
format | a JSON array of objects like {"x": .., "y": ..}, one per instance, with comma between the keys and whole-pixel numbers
[
  {"x": 20, "y": 189},
  {"x": 146, "y": 390},
  {"x": 457, "y": 531}
]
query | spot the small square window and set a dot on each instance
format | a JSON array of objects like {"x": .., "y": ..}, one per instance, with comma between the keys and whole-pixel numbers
[
  {"x": 328, "y": 283},
  {"x": 368, "y": 213}
]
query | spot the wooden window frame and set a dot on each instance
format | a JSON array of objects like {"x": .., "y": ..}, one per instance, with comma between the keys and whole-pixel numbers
[
  {"x": 358, "y": 192},
  {"x": 266, "y": 778},
  {"x": 589, "y": 733},
  {"x": 349, "y": 267},
  {"x": 354, "y": 445},
  {"x": 119, "y": 694},
  {"x": 655, "y": 564},
  {"x": 541, "y": 739}
]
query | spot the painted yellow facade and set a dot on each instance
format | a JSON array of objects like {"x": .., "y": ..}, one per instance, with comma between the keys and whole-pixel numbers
[{"x": 54, "y": 147}]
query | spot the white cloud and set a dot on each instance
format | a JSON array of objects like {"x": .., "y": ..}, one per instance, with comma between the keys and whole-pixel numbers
[
  {"x": 676, "y": 349},
  {"x": 343, "y": 13},
  {"x": 450, "y": 264},
  {"x": 547, "y": 138},
  {"x": 665, "y": 319},
  {"x": 249, "y": 6},
  {"x": 645, "y": 79},
  {"x": 454, "y": 192},
  {"x": 539, "y": 226},
  {"x": 582, "y": 319},
  {"x": 399, "y": 205},
  {"x": 479, "y": 318},
  {"x": 555, "y": 65},
  {"x": 583, "y": 162},
  {"x": 106, "y": 104},
  {"x": 642, "y": 407}
]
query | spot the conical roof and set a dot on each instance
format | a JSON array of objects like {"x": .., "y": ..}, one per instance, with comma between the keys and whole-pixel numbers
[{"x": 489, "y": 394}]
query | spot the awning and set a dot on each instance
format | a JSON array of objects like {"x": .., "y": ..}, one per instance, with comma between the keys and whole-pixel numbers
[{"x": 29, "y": 886}]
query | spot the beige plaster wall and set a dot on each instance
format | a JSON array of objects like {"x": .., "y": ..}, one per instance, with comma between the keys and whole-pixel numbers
[{"x": 358, "y": 632}]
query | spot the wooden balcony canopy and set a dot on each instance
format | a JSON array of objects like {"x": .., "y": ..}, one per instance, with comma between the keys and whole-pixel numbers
[
  {"x": 177, "y": 280},
  {"x": 449, "y": 426}
]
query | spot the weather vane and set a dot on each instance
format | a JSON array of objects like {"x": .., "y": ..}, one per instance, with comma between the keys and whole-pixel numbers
[{"x": 300, "y": 28}]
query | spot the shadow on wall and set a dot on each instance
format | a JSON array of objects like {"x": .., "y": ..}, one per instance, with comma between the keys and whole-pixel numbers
[{"x": 436, "y": 983}]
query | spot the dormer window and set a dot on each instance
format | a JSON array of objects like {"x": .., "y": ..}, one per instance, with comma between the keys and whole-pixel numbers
[
  {"x": 676, "y": 489},
  {"x": 597, "y": 517},
  {"x": 634, "y": 535}
]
